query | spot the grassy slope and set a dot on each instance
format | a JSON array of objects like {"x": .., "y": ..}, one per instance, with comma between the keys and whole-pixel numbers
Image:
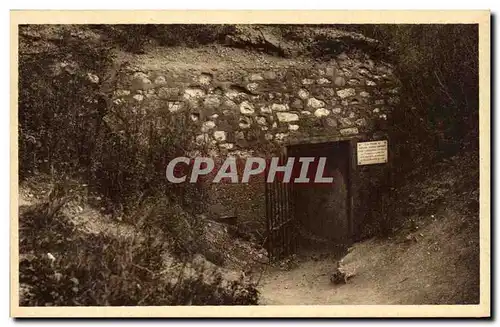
[{"x": 84, "y": 257}]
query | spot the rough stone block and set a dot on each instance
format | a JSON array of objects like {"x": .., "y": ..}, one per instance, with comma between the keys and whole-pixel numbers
[
  {"x": 261, "y": 120},
  {"x": 239, "y": 135},
  {"x": 255, "y": 77},
  {"x": 346, "y": 93},
  {"x": 202, "y": 138},
  {"x": 349, "y": 131},
  {"x": 205, "y": 79},
  {"x": 174, "y": 106},
  {"x": 93, "y": 78},
  {"x": 227, "y": 146},
  {"x": 303, "y": 94},
  {"x": 195, "y": 117},
  {"x": 220, "y": 136},
  {"x": 160, "y": 80},
  {"x": 208, "y": 125},
  {"x": 252, "y": 87},
  {"x": 193, "y": 93},
  {"x": 287, "y": 117},
  {"x": 168, "y": 92},
  {"x": 279, "y": 107},
  {"x": 321, "y": 112},
  {"x": 354, "y": 82},
  {"x": 280, "y": 136},
  {"x": 297, "y": 104},
  {"x": 361, "y": 122},
  {"x": 265, "y": 110},
  {"x": 347, "y": 73},
  {"x": 121, "y": 93},
  {"x": 138, "y": 97},
  {"x": 140, "y": 75},
  {"x": 345, "y": 122},
  {"x": 331, "y": 122},
  {"x": 343, "y": 56},
  {"x": 330, "y": 92},
  {"x": 364, "y": 72},
  {"x": 244, "y": 123},
  {"x": 212, "y": 101},
  {"x": 246, "y": 108},
  {"x": 330, "y": 71},
  {"x": 315, "y": 103},
  {"x": 339, "y": 81},
  {"x": 269, "y": 75},
  {"x": 233, "y": 94}
]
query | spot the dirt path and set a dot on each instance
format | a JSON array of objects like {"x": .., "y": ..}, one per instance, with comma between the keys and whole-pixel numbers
[
  {"x": 310, "y": 284},
  {"x": 437, "y": 264}
]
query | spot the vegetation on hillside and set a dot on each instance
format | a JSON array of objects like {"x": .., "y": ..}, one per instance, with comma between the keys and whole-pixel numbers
[
  {"x": 66, "y": 77},
  {"x": 61, "y": 266}
]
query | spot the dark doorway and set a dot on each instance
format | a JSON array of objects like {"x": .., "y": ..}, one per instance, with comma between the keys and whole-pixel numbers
[{"x": 322, "y": 211}]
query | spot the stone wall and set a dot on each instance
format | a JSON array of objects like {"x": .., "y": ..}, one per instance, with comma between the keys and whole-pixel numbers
[{"x": 257, "y": 109}]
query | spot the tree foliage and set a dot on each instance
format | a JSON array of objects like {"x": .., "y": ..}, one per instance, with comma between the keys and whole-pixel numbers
[{"x": 438, "y": 66}]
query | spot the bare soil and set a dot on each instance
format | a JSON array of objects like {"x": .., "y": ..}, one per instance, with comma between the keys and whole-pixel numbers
[{"x": 436, "y": 264}]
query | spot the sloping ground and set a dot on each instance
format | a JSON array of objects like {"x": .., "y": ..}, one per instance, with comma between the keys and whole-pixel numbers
[
  {"x": 434, "y": 259},
  {"x": 208, "y": 57},
  {"x": 102, "y": 259},
  {"x": 277, "y": 40},
  {"x": 88, "y": 219},
  {"x": 437, "y": 265},
  {"x": 84, "y": 212}
]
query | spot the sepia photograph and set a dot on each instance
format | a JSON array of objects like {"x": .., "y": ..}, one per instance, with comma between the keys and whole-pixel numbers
[{"x": 169, "y": 164}]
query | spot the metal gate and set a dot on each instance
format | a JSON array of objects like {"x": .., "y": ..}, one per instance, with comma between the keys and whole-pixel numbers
[{"x": 281, "y": 240}]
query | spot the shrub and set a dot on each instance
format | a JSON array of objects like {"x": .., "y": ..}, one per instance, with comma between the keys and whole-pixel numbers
[
  {"x": 67, "y": 122},
  {"x": 60, "y": 266},
  {"x": 185, "y": 231},
  {"x": 59, "y": 103}
]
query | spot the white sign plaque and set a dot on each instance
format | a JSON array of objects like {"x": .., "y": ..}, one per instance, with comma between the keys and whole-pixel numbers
[{"x": 373, "y": 152}]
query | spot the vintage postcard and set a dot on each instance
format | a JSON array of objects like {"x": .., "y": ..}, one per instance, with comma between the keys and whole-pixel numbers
[{"x": 250, "y": 164}]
